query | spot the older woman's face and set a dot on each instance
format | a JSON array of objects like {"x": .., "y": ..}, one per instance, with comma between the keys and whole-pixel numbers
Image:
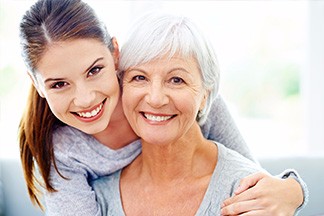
[{"x": 161, "y": 98}]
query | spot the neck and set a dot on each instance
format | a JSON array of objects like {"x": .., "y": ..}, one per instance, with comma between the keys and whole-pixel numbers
[
  {"x": 181, "y": 159},
  {"x": 118, "y": 132}
]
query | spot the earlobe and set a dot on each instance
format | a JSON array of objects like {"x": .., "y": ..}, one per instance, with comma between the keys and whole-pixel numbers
[
  {"x": 204, "y": 100},
  {"x": 115, "y": 52},
  {"x": 33, "y": 79}
]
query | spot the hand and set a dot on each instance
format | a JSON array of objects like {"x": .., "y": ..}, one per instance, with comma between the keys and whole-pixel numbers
[{"x": 262, "y": 194}]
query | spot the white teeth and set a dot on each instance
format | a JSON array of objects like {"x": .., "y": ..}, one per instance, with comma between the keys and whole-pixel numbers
[
  {"x": 90, "y": 114},
  {"x": 157, "y": 118}
]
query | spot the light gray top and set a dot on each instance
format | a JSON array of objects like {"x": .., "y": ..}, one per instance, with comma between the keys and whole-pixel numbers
[
  {"x": 81, "y": 158},
  {"x": 230, "y": 168}
]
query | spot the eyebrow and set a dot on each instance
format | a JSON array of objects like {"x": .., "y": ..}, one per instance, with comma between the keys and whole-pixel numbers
[
  {"x": 57, "y": 79},
  {"x": 95, "y": 61},
  {"x": 178, "y": 68},
  {"x": 170, "y": 71}
]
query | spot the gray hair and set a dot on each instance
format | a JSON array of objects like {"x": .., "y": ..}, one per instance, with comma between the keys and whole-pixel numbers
[{"x": 158, "y": 34}]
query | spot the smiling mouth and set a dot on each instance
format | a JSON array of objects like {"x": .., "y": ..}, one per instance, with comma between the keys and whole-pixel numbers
[
  {"x": 157, "y": 118},
  {"x": 92, "y": 113}
]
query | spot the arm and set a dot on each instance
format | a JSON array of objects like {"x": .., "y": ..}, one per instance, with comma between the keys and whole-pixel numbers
[
  {"x": 221, "y": 127},
  {"x": 74, "y": 196},
  {"x": 263, "y": 194},
  {"x": 81, "y": 158}
]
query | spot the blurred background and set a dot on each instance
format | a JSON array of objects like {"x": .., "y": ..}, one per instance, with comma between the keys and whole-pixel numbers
[{"x": 271, "y": 55}]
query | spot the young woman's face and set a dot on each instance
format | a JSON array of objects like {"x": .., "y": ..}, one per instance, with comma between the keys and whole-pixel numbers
[
  {"x": 161, "y": 98},
  {"x": 79, "y": 82}
]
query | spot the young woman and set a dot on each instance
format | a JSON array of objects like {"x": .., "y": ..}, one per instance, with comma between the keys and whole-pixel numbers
[{"x": 74, "y": 129}]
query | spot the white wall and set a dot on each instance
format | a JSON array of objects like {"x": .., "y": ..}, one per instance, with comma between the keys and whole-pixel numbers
[{"x": 314, "y": 79}]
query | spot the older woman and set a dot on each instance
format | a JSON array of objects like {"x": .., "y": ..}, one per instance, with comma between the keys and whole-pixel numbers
[{"x": 168, "y": 87}]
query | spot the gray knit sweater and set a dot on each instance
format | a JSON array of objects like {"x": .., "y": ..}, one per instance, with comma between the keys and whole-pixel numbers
[
  {"x": 80, "y": 158},
  {"x": 230, "y": 168}
]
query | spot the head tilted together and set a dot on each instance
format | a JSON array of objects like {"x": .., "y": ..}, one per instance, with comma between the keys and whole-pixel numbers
[{"x": 156, "y": 35}]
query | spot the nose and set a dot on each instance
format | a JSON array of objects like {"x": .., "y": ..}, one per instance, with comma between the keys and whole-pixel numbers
[
  {"x": 84, "y": 97},
  {"x": 156, "y": 95}
]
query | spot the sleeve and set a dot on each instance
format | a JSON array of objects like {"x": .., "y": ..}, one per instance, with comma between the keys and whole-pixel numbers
[
  {"x": 1, "y": 198},
  {"x": 73, "y": 196},
  {"x": 291, "y": 173},
  {"x": 221, "y": 128}
]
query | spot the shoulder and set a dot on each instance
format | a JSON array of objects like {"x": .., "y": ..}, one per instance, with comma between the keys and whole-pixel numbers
[
  {"x": 218, "y": 107},
  {"x": 68, "y": 143},
  {"x": 106, "y": 184},
  {"x": 107, "y": 191},
  {"x": 67, "y": 133},
  {"x": 235, "y": 161},
  {"x": 68, "y": 139},
  {"x": 107, "y": 194},
  {"x": 230, "y": 169},
  {"x": 218, "y": 120}
]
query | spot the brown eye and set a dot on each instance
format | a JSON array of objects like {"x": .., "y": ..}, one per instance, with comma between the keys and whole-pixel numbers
[
  {"x": 139, "y": 78},
  {"x": 94, "y": 71},
  {"x": 176, "y": 80},
  {"x": 59, "y": 85}
]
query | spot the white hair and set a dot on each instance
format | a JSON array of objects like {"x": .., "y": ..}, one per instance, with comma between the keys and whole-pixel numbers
[{"x": 157, "y": 34}]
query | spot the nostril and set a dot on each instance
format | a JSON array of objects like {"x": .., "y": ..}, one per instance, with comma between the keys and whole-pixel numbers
[{"x": 84, "y": 98}]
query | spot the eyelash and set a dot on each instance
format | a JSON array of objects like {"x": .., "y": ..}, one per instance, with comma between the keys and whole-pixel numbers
[
  {"x": 95, "y": 70},
  {"x": 92, "y": 72},
  {"x": 57, "y": 85},
  {"x": 179, "y": 79},
  {"x": 139, "y": 78}
]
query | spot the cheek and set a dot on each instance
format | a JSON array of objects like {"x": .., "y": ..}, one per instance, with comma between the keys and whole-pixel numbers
[
  {"x": 127, "y": 97},
  {"x": 58, "y": 107},
  {"x": 189, "y": 108},
  {"x": 110, "y": 85},
  {"x": 188, "y": 102},
  {"x": 130, "y": 100},
  {"x": 58, "y": 103}
]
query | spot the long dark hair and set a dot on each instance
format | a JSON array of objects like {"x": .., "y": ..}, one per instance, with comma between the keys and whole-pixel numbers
[{"x": 45, "y": 22}]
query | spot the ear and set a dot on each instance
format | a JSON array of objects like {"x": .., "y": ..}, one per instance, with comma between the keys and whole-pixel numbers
[
  {"x": 204, "y": 100},
  {"x": 34, "y": 81},
  {"x": 115, "y": 52}
]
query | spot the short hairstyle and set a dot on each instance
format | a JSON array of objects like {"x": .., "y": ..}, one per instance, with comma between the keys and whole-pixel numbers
[{"x": 157, "y": 34}]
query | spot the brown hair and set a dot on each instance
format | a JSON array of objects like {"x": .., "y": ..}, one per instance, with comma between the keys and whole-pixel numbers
[{"x": 45, "y": 22}]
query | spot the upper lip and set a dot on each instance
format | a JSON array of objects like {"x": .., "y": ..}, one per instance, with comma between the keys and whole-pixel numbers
[{"x": 93, "y": 108}]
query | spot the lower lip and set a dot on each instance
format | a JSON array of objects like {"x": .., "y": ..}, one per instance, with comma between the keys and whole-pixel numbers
[{"x": 94, "y": 118}]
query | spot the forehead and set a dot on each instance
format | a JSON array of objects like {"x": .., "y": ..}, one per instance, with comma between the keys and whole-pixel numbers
[
  {"x": 167, "y": 63},
  {"x": 73, "y": 54}
]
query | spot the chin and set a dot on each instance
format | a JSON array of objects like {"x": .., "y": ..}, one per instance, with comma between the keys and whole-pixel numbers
[{"x": 92, "y": 129}]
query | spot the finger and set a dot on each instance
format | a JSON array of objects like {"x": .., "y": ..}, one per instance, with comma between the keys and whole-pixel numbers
[
  {"x": 255, "y": 213},
  {"x": 246, "y": 195},
  {"x": 249, "y": 181},
  {"x": 240, "y": 207}
]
